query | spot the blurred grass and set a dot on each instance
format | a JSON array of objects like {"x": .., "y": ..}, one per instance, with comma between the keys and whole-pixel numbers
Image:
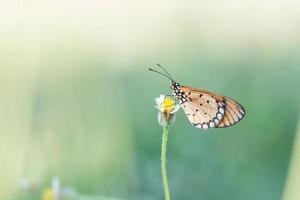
[{"x": 291, "y": 190}]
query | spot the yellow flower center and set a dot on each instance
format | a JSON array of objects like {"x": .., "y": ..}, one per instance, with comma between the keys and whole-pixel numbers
[{"x": 168, "y": 104}]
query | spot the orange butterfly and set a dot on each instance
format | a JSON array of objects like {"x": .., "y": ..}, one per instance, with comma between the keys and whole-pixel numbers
[{"x": 205, "y": 109}]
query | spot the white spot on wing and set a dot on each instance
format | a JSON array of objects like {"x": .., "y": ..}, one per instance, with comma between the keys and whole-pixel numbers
[
  {"x": 199, "y": 126},
  {"x": 221, "y": 110},
  {"x": 219, "y": 116},
  {"x": 216, "y": 121}
]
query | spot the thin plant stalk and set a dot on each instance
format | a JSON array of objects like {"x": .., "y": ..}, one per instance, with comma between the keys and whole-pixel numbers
[{"x": 164, "y": 161}]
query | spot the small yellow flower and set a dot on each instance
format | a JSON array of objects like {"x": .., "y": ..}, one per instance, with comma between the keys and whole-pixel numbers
[
  {"x": 54, "y": 192},
  {"x": 167, "y": 107},
  {"x": 47, "y": 194}
]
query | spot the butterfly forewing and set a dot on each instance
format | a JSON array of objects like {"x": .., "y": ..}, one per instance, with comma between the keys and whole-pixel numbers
[{"x": 205, "y": 109}]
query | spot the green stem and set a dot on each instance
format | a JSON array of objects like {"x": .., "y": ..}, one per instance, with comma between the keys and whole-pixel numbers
[{"x": 163, "y": 163}]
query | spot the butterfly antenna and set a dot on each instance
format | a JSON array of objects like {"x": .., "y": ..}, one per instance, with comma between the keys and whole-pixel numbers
[
  {"x": 164, "y": 70},
  {"x": 168, "y": 76}
]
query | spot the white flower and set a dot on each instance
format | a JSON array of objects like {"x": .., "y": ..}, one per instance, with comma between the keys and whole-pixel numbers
[
  {"x": 167, "y": 107},
  {"x": 166, "y": 104}
]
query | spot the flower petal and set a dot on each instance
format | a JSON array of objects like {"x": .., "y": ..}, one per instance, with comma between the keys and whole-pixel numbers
[
  {"x": 176, "y": 108},
  {"x": 159, "y": 108},
  {"x": 159, "y": 100}
]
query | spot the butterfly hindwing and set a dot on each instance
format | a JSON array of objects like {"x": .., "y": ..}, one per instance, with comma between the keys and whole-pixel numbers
[{"x": 205, "y": 109}]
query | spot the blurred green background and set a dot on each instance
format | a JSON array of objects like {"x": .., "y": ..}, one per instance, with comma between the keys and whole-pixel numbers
[{"x": 77, "y": 101}]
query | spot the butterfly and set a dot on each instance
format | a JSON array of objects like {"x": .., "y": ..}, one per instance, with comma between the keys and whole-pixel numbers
[{"x": 205, "y": 109}]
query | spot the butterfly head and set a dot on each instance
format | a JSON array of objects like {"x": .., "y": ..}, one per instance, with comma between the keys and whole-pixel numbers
[{"x": 174, "y": 85}]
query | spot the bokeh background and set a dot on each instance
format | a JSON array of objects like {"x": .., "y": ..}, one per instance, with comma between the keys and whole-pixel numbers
[{"x": 77, "y": 101}]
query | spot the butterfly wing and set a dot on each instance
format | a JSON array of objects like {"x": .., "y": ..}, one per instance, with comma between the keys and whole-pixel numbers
[
  {"x": 205, "y": 109},
  {"x": 234, "y": 112}
]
